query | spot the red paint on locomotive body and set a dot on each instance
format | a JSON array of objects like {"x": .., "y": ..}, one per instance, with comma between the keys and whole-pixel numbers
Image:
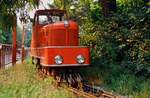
[
  {"x": 55, "y": 40},
  {"x": 59, "y": 35}
]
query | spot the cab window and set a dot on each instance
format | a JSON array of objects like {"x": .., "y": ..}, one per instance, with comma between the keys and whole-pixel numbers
[
  {"x": 47, "y": 18},
  {"x": 57, "y": 18},
  {"x": 43, "y": 19}
]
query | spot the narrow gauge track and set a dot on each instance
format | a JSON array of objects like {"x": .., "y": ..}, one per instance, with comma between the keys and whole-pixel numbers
[
  {"x": 91, "y": 92},
  {"x": 80, "y": 89}
]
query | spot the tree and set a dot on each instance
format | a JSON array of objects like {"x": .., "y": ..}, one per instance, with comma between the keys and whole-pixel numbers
[
  {"x": 62, "y": 4},
  {"x": 8, "y": 19}
]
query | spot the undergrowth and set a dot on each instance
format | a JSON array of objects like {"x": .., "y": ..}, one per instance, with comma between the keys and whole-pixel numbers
[{"x": 118, "y": 80}]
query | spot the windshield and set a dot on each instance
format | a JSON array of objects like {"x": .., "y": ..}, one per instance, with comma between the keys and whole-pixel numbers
[{"x": 48, "y": 18}]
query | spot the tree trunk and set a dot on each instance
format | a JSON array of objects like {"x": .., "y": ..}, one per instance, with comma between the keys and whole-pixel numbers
[
  {"x": 14, "y": 48},
  {"x": 23, "y": 51},
  {"x": 108, "y": 6},
  {"x": 64, "y": 4},
  {"x": 0, "y": 55}
]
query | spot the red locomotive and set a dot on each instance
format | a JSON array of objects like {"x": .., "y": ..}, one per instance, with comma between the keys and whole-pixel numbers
[{"x": 55, "y": 40}]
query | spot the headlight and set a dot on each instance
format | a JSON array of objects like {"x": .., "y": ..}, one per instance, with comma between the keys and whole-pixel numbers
[
  {"x": 80, "y": 59},
  {"x": 58, "y": 59},
  {"x": 66, "y": 23}
]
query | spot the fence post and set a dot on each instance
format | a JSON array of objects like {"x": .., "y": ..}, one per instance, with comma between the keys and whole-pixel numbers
[
  {"x": 14, "y": 49},
  {"x": 0, "y": 56},
  {"x": 3, "y": 56}
]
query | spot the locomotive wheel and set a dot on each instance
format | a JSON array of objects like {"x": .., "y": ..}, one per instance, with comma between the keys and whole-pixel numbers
[
  {"x": 36, "y": 61},
  {"x": 44, "y": 70},
  {"x": 53, "y": 73},
  {"x": 48, "y": 72},
  {"x": 32, "y": 60},
  {"x": 38, "y": 65}
]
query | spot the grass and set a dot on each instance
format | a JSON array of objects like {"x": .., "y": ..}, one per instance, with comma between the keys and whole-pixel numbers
[
  {"x": 116, "y": 79},
  {"x": 22, "y": 81}
]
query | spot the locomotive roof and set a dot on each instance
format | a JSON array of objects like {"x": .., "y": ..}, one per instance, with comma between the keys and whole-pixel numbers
[{"x": 50, "y": 11}]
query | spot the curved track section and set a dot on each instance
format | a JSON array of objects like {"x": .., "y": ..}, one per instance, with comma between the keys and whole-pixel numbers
[{"x": 73, "y": 82}]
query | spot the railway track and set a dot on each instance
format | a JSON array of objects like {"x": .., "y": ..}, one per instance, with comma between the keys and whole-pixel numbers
[
  {"x": 91, "y": 92},
  {"x": 74, "y": 83}
]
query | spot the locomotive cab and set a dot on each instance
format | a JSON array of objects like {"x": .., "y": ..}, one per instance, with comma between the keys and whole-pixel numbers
[{"x": 55, "y": 40}]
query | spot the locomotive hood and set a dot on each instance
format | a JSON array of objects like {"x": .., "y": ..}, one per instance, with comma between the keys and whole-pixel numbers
[{"x": 62, "y": 33}]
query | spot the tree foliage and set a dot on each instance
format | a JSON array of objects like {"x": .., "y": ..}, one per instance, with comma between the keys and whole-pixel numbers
[
  {"x": 8, "y": 17},
  {"x": 120, "y": 39}
]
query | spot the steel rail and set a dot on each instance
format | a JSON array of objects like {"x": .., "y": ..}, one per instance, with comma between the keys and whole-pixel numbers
[
  {"x": 90, "y": 94},
  {"x": 87, "y": 91}
]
